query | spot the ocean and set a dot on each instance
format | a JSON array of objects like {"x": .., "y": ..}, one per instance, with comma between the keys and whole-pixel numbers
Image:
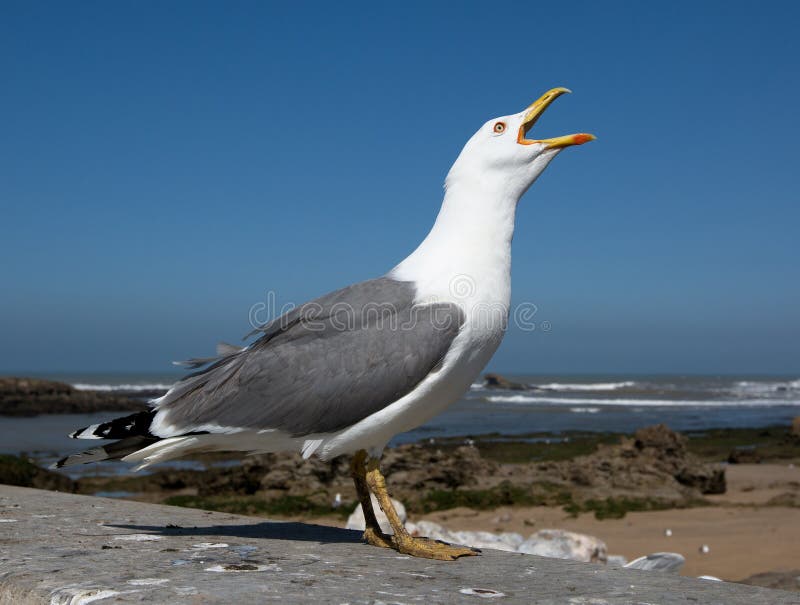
[{"x": 550, "y": 404}]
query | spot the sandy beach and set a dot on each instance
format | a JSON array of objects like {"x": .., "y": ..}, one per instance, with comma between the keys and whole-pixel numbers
[{"x": 745, "y": 536}]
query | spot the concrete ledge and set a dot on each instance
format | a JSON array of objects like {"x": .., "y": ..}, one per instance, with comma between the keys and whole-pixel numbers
[{"x": 67, "y": 549}]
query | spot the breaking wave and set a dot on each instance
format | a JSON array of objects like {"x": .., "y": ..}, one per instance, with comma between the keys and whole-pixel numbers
[
  {"x": 592, "y": 386},
  {"x": 122, "y": 387},
  {"x": 568, "y": 386},
  {"x": 754, "y": 388},
  {"x": 636, "y": 402}
]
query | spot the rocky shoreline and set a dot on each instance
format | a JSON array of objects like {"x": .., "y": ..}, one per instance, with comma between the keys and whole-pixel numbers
[
  {"x": 34, "y": 396},
  {"x": 608, "y": 474},
  {"x": 654, "y": 469}
]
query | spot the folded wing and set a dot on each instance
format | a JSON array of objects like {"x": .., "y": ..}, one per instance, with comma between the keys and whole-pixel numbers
[{"x": 320, "y": 368}]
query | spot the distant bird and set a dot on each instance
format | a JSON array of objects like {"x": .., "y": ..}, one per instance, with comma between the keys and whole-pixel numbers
[{"x": 344, "y": 373}]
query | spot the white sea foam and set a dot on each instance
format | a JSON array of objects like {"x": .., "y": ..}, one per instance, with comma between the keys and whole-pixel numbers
[
  {"x": 157, "y": 386},
  {"x": 592, "y": 410},
  {"x": 566, "y": 386},
  {"x": 759, "y": 388},
  {"x": 589, "y": 386},
  {"x": 622, "y": 401}
]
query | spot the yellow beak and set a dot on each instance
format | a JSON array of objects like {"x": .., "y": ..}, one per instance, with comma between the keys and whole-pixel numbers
[{"x": 535, "y": 110}]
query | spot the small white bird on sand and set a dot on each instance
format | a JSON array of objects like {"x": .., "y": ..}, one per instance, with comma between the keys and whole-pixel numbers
[{"x": 346, "y": 372}]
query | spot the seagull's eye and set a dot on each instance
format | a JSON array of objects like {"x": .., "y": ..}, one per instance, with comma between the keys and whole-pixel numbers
[{"x": 500, "y": 127}]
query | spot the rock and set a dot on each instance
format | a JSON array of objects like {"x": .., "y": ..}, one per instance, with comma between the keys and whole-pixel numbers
[
  {"x": 662, "y": 438},
  {"x": 784, "y": 580},
  {"x": 507, "y": 541},
  {"x": 66, "y": 557},
  {"x": 651, "y": 470},
  {"x": 785, "y": 499},
  {"x": 32, "y": 396},
  {"x": 495, "y": 381},
  {"x": 744, "y": 456},
  {"x": 356, "y": 519},
  {"x": 795, "y": 430},
  {"x": 561, "y": 544},
  {"x": 616, "y": 561},
  {"x": 668, "y": 562},
  {"x": 706, "y": 478},
  {"x": 512, "y": 538},
  {"x": 483, "y": 539},
  {"x": 655, "y": 465},
  {"x": 429, "y": 529},
  {"x": 277, "y": 478},
  {"x": 413, "y": 470},
  {"x": 16, "y": 470}
]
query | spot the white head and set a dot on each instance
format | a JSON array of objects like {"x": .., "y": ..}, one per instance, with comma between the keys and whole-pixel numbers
[
  {"x": 475, "y": 225},
  {"x": 500, "y": 160}
]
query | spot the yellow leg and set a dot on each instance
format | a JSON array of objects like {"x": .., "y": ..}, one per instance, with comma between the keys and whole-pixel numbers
[
  {"x": 401, "y": 541},
  {"x": 372, "y": 532}
]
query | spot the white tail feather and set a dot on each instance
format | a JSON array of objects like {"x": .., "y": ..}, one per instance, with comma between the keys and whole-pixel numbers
[
  {"x": 245, "y": 441},
  {"x": 309, "y": 447}
]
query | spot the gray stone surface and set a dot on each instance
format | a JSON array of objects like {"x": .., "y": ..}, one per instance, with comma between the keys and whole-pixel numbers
[{"x": 67, "y": 549}]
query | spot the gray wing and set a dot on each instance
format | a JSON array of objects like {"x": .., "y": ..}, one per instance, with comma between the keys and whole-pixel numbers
[{"x": 323, "y": 366}]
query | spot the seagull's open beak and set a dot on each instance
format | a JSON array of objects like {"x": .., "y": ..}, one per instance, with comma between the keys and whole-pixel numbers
[{"x": 535, "y": 110}]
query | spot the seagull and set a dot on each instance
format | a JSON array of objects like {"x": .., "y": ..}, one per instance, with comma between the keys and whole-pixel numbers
[{"x": 344, "y": 373}]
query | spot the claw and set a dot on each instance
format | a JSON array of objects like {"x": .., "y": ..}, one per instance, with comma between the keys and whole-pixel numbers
[
  {"x": 432, "y": 549},
  {"x": 377, "y": 538}
]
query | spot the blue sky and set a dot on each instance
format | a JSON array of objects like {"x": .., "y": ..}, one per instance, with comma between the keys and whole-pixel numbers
[{"x": 164, "y": 165}]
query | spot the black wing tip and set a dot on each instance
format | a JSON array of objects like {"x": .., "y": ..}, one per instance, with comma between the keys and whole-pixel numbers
[
  {"x": 79, "y": 433},
  {"x": 136, "y": 424},
  {"x": 109, "y": 451}
]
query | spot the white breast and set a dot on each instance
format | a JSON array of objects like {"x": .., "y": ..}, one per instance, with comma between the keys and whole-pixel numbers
[{"x": 465, "y": 260}]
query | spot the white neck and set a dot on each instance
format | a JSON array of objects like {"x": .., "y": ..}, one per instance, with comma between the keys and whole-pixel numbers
[{"x": 466, "y": 257}]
